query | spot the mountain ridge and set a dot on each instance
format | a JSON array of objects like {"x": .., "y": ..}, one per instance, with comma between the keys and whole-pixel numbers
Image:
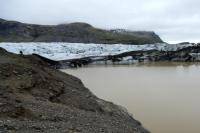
[{"x": 77, "y": 32}]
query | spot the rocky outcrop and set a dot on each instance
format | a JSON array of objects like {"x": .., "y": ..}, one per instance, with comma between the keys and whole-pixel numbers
[
  {"x": 37, "y": 98},
  {"x": 12, "y": 31}
]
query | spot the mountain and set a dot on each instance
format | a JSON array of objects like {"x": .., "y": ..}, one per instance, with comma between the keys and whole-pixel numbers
[{"x": 12, "y": 31}]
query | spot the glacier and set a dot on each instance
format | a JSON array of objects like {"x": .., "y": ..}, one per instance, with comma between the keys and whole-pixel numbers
[{"x": 63, "y": 51}]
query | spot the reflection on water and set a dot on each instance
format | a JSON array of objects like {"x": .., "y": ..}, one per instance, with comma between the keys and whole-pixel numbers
[{"x": 165, "y": 97}]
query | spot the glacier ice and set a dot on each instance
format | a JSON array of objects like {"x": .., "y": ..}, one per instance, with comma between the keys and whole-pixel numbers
[{"x": 63, "y": 51}]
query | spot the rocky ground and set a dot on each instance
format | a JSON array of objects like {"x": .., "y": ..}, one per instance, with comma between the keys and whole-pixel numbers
[{"x": 37, "y": 98}]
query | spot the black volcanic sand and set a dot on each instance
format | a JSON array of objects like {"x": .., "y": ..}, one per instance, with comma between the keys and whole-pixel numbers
[{"x": 37, "y": 98}]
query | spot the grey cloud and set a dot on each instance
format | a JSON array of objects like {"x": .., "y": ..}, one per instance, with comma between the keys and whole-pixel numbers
[{"x": 173, "y": 20}]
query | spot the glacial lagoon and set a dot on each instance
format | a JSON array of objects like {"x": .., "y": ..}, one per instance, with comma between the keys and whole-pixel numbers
[{"x": 165, "y": 96}]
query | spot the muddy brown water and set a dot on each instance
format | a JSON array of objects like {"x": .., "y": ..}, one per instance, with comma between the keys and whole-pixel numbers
[{"x": 164, "y": 97}]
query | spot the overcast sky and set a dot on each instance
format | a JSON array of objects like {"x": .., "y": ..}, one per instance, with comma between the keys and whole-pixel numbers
[{"x": 173, "y": 20}]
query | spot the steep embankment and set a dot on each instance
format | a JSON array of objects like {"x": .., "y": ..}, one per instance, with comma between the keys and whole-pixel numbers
[
  {"x": 37, "y": 98},
  {"x": 12, "y": 31}
]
